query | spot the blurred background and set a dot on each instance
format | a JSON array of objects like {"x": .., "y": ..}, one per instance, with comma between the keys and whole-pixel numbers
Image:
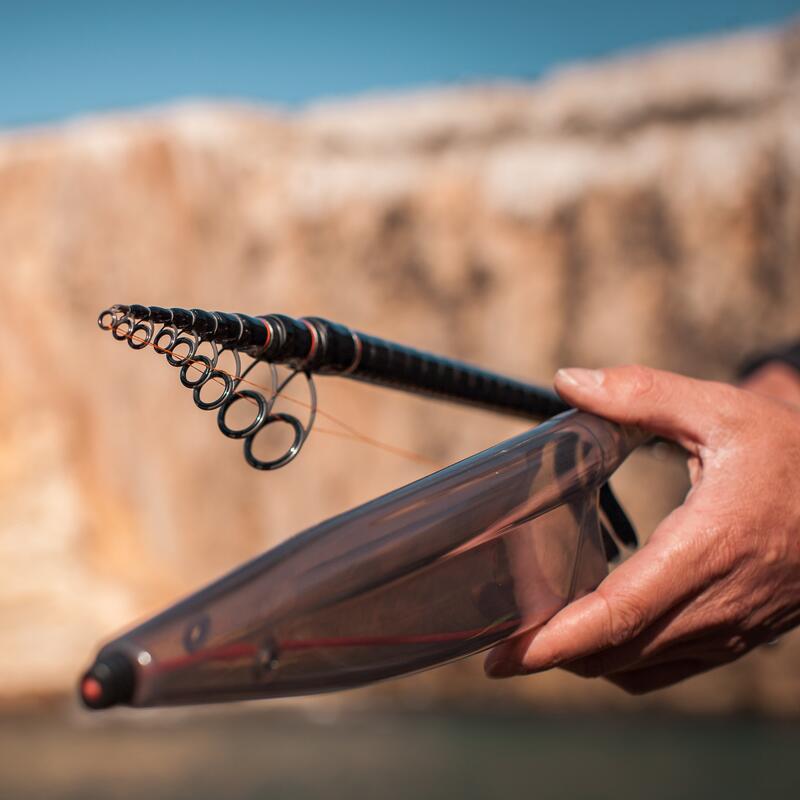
[{"x": 522, "y": 185}]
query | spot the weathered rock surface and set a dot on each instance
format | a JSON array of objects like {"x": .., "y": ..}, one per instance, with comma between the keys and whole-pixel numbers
[{"x": 646, "y": 209}]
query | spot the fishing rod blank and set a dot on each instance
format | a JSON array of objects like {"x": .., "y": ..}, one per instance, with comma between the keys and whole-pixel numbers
[{"x": 442, "y": 568}]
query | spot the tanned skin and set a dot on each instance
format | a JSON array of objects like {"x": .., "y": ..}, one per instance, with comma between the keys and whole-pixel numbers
[{"x": 721, "y": 574}]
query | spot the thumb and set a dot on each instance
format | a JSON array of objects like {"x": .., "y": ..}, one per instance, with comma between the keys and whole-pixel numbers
[{"x": 689, "y": 411}]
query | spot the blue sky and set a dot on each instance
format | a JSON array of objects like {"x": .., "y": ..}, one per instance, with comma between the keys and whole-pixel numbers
[{"x": 61, "y": 59}]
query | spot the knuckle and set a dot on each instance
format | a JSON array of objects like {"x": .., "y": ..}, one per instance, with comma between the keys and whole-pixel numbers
[
  {"x": 626, "y": 617},
  {"x": 640, "y": 381},
  {"x": 737, "y": 645}
]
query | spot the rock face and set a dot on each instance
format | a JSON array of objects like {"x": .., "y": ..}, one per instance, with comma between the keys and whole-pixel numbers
[{"x": 646, "y": 209}]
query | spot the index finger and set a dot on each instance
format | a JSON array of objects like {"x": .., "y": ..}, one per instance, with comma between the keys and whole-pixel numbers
[{"x": 631, "y": 598}]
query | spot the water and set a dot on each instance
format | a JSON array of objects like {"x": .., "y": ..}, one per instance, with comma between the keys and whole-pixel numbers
[{"x": 246, "y": 754}]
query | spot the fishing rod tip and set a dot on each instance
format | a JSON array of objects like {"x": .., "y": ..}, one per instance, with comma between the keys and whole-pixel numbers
[{"x": 109, "y": 682}]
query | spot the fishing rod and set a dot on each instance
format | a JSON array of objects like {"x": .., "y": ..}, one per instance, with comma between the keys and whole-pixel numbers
[
  {"x": 314, "y": 346},
  {"x": 437, "y": 570},
  {"x": 308, "y": 346}
]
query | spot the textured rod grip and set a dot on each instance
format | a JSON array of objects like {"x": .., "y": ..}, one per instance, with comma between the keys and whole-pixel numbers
[
  {"x": 340, "y": 350},
  {"x": 403, "y": 367}
]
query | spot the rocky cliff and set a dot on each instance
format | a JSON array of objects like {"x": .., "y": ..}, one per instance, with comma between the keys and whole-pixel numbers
[{"x": 645, "y": 209}]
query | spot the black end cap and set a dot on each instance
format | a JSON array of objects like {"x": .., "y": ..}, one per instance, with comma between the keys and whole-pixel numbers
[{"x": 109, "y": 682}]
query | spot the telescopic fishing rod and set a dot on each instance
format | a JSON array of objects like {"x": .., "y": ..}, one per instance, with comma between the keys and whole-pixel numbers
[
  {"x": 308, "y": 346},
  {"x": 445, "y": 567},
  {"x": 316, "y": 345}
]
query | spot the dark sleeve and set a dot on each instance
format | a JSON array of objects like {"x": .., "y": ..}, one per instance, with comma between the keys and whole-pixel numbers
[{"x": 788, "y": 354}]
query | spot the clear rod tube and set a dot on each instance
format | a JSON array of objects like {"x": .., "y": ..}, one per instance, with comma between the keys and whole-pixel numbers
[{"x": 437, "y": 570}]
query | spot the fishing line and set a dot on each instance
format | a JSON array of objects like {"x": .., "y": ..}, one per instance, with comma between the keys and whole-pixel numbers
[{"x": 224, "y": 378}]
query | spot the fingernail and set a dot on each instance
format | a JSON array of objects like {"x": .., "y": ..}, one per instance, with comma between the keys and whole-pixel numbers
[{"x": 583, "y": 378}]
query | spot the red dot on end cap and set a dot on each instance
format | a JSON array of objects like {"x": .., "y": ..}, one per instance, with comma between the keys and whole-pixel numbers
[{"x": 91, "y": 689}]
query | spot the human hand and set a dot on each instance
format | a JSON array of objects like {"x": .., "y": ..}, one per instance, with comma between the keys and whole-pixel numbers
[{"x": 720, "y": 575}]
